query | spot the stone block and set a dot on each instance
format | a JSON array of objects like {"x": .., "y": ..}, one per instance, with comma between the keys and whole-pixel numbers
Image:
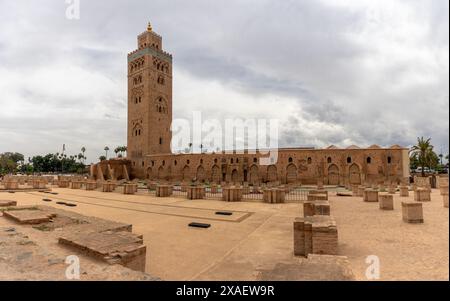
[
  {"x": 315, "y": 235},
  {"x": 412, "y": 212},
  {"x": 63, "y": 183},
  {"x": 231, "y": 194},
  {"x": 108, "y": 186},
  {"x": 122, "y": 248},
  {"x": 195, "y": 192},
  {"x": 360, "y": 192},
  {"x": 129, "y": 188},
  {"x": 76, "y": 184},
  {"x": 316, "y": 208},
  {"x": 422, "y": 195},
  {"x": 392, "y": 189},
  {"x": 28, "y": 216},
  {"x": 404, "y": 191},
  {"x": 91, "y": 185},
  {"x": 386, "y": 201},
  {"x": 274, "y": 195},
  {"x": 370, "y": 195},
  {"x": 11, "y": 185},
  {"x": 7, "y": 203}
]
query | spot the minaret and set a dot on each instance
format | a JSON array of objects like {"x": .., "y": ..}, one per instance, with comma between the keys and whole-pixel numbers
[{"x": 149, "y": 98}]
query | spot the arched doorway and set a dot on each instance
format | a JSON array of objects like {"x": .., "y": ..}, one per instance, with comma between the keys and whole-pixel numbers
[
  {"x": 215, "y": 174},
  {"x": 234, "y": 176},
  {"x": 201, "y": 174},
  {"x": 333, "y": 175},
  {"x": 149, "y": 173},
  {"x": 161, "y": 173},
  {"x": 254, "y": 175},
  {"x": 272, "y": 175},
  {"x": 291, "y": 174},
  {"x": 354, "y": 174},
  {"x": 186, "y": 173}
]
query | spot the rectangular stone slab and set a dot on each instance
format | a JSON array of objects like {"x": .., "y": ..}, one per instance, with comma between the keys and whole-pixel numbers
[
  {"x": 123, "y": 248},
  {"x": 6, "y": 203},
  {"x": 29, "y": 216}
]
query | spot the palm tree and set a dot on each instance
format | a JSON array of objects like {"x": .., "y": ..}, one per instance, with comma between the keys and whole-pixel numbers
[
  {"x": 190, "y": 147},
  {"x": 106, "y": 151},
  {"x": 117, "y": 150},
  {"x": 124, "y": 149},
  {"x": 201, "y": 148},
  {"x": 83, "y": 150},
  {"x": 423, "y": 152}
]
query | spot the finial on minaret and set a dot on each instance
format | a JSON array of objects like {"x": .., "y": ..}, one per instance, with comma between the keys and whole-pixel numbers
[{"x": 149, "y": 27}]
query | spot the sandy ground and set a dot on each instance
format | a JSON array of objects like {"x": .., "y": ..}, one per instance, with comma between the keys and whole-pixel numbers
[{"x": 258, "y": 237}]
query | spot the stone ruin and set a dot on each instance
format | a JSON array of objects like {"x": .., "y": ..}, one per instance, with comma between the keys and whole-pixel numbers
[{"x": 109, "y": 241}]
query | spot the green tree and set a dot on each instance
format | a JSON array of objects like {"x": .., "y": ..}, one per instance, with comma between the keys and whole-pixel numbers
[
  {"x": 102, "y": 158},
  {"x": 423, "y": 153}
]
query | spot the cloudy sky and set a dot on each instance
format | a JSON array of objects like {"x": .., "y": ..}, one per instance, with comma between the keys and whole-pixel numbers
[{"x": 332, "y": 71}]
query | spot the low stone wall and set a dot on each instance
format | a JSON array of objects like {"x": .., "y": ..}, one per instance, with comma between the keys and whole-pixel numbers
[
  {"x": 274, "y": 195},
  {"x": 231, "y": 194},
  {"x": 195, "y": 192}
]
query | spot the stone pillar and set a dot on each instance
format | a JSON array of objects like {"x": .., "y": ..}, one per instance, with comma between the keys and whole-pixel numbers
[
  {"x": 108, "y": 186},
  {"x": 360, "y": 192},
  {"x": 274, "y": 195},
  {"x": 386, "y": 201},
  {"x": 355, "y": 190},
  {"x": 129, "y": 188},
  {"x": 164, "y": 190},
  {"x": 38, "y": 184},
  {"x": 75, "y": 184},
  {"x": 91, "y": 185},
  {"x": 370, "y": 195},
  {"x": 11, "y": 185},
  {"x": 316, "y": 208},
  {"x": 315, "y": 235},
  {"x": 445, "y": 198},
  {"x": 422, "y": 195},
  {"x": 412, "y": 212},
  {"x": 195, "y": 192},
  {"x": 231, "y": 194},
  {"x": 404, "y": 191},
  {"x": 63, "y": 183}
]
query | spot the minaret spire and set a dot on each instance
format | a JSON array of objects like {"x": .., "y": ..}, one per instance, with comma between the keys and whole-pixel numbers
[{"x": 149, "y": 27}]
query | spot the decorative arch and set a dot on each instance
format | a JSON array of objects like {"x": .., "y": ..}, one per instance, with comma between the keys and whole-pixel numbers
[
  {"x": 333, "y": 175},
  {"x": 254, "y": 175},
  {"x": 354, "y": 174},
  {"x": 161, "y": 172},
  {"x": 215, "y": 174},
  {"x": 149, "y": 173},
  {"x": 186, "y": 173},
  {"x": 161, "y": 105},
  {"x": 234, "y": 176},
  {"x": 201, "y": 175},
  {"x": 272, "y": 173},
  {"x": 291, "y": 173}
]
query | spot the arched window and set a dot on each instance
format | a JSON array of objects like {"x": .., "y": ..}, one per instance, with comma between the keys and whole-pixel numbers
[
  {"x": 175, "y": 162},
  {"x": 163, "y": 162},
  {"x": 255, "y": 160},
  {"x": 309, "y": 160},
  {"x": 160, "y": 140},
  {"x": 215, "y": 160},
  {"x": 231, "y": 160},
  {"x": 201, "y": 161},
  {"x": 349, "y": 159},
  {"x": 187, "y": 161},
  {"x": 290, "y": 160},
  {"x": 369, "y": 160},
  {"x": 329, "y": 160},
  {"x": 389, "y": 159}
]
